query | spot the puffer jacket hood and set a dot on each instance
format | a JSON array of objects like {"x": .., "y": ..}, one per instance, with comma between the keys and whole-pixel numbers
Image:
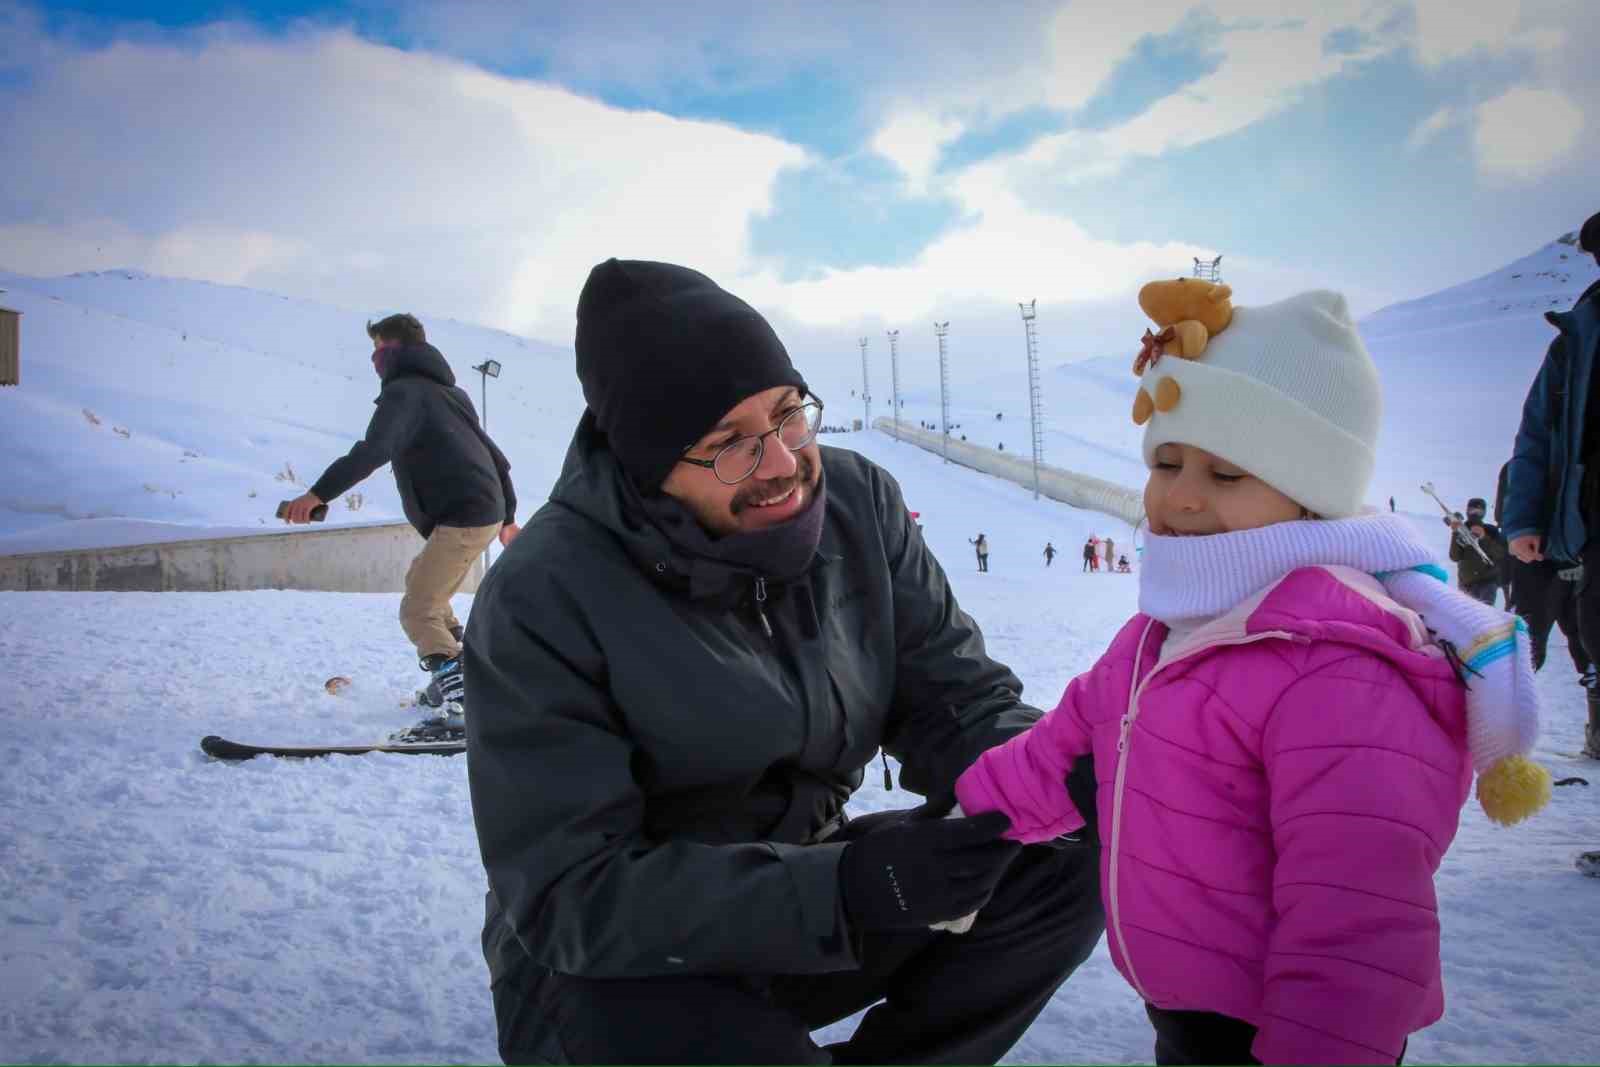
[{"x": 418, "y": 361}]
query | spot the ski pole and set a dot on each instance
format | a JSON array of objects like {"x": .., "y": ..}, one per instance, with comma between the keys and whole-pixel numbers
[{"x": 1467, "y": 538}]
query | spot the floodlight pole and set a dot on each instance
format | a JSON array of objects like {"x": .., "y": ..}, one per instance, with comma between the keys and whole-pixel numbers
[
  {"x": 894, "y": 377},
  {"x": 1034, "y": 395},
  {"x": 866, "y": 388},
  {"x": 939, "y": 329}
]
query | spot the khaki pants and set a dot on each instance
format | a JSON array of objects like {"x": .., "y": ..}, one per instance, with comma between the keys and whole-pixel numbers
[{"x": 433, "y": 578}]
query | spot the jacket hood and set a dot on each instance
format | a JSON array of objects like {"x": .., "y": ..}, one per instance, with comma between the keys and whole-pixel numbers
[
  {"x": 593, "y": 484},
  {"x": 418, "y": 361}
]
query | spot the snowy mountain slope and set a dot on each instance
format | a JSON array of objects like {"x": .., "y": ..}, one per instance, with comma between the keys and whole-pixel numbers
[{"x": 160, "y": 400}]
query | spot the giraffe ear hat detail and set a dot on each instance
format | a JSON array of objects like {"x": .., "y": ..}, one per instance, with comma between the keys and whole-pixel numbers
[{"x": 1286, "y": 391}]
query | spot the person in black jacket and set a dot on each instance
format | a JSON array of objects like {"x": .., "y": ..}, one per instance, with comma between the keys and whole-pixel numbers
[
  {"x": 678, "y": 675},
  {"x": 1545, "y": 595},
  {"x": 455, "y": 488}
]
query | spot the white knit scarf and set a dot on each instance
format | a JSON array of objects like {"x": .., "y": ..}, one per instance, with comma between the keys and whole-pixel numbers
[{"x": 1184, "y": 579}]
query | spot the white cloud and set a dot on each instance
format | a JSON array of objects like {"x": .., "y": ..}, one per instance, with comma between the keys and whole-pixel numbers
[
  {"x": 912, "y": 141},
  {"x": 323, "y": 165},
  {"x": 1451, "y": 29},
  {"x": 1524, "y": 133},
  {"x": 1434, "y": 125}
]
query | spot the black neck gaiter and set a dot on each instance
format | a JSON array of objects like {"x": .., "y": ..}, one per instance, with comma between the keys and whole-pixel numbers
[{"x": 782, "y": 552}]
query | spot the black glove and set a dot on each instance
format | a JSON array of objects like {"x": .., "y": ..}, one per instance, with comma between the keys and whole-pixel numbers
[{"x": 924, "y": 871}]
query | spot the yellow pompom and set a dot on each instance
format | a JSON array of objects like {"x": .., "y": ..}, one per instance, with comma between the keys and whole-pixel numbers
[{"x": 1513, "y": 789}]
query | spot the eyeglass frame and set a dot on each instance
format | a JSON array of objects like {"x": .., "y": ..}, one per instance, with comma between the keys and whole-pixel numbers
[{"x": 761, "y": 443}]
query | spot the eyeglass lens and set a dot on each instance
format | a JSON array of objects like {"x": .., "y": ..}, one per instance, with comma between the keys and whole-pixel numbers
[{"x": 740, "y": 459}]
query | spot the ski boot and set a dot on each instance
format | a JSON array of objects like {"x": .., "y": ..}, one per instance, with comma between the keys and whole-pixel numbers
[
  {"x": 1591, "y": 731},
  {"x": 446, "y": 693}
]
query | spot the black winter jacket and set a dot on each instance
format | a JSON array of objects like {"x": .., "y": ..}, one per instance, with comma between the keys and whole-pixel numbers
[
  {"x": 650, "y": 770},
  {"x": 448, "y": 471}
]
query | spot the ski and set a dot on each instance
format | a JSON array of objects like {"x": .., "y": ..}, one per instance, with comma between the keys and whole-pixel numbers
[{"x": 222, "y": 748}]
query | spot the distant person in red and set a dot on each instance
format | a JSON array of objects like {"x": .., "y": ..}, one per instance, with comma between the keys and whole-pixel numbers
[
  {"x": 1088, "y": 554},
  {"x": 1553, "y": 491},
  {"x": 455, "y": 487}
]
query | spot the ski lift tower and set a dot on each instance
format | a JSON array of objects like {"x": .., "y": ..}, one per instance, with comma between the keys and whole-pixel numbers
[
  {"x": 866, "y": 388},
  {"x": 1034, "y": 393},
  {"x": 894, "y": 378},
  {"x": 939, "y": 329},
  {"x": 1208, "y": 270}
]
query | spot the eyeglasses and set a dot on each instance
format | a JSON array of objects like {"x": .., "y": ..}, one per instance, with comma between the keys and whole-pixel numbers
[{"x": 739, "y": 458}]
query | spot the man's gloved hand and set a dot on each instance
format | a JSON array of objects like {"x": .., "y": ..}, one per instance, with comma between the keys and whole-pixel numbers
[{"x": 924, "y": 871}]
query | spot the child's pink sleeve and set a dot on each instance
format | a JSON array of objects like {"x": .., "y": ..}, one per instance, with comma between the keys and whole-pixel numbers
[{"x": 1027, "y": 776}]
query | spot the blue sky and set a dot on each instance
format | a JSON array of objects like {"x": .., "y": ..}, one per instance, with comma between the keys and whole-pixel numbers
[{"x": 846, "y": 167}]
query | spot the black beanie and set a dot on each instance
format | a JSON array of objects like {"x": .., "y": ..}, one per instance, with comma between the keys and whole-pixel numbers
[
  {"x": 1589, "y": 236},
  {"x": 663, "y": 353}
]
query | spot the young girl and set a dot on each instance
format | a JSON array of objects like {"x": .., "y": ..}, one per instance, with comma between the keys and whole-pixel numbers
[{"x": 1281, "y": 740}]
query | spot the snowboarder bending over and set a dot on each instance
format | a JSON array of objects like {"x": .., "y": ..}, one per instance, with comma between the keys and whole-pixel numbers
[
  {"x": 455, "y": 487},
  {"x": 1553, "y": 499},
  {"x": 1049, "y": 553},
  {"x": 678, "y": 675},
  {"x": 981, "y": 545}
]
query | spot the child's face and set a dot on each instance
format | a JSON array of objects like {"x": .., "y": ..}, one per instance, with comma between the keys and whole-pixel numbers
[{"x": 1191, "y": 491}]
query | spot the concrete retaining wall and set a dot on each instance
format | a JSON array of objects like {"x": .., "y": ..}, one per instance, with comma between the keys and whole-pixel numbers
[
  {"x": 1069, "y": 487},
  {"x": 351, "y": 559}
]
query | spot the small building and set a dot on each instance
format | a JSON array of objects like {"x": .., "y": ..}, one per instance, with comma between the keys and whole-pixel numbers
[{"x": 10, "y": 346}]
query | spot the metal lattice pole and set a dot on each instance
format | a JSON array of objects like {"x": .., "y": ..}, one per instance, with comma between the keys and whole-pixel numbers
[
  {"x": 866, "y": 388},
  {"x": 939, "y": 329},
  {"x": 894, "y": 378},
  {"x": 1034, "y": 393}
]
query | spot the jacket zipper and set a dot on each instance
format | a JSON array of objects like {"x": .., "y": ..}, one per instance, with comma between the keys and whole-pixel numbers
[
  {"x": 761, "y": 598},
  {"x": 1123, "y": 736}
]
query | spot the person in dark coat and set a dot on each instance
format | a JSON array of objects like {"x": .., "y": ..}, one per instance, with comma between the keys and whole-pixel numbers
[
  {"x": 679, "y": 674},
  {"x": 1049, "y": 553},
  {"x": 1477, "y": 577},
  {"x": 1090, "y": 554},
  {"x": 454, "y": 482},
  {"x": 1553, "y": 498}
]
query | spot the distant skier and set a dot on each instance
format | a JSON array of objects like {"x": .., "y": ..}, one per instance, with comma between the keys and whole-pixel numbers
[
  {"x": 982, "y": 547},
  {"x": 1391, "y": 505},
  {"x": 1088, "y": 555},
  {"x": 1049, "y": 553},
  {"x": 1122, "y": 566},
  {"x": 455, "y": 487},
  {"x": 1478, "y": 579},
  {"x": 1553, "y": 496}
]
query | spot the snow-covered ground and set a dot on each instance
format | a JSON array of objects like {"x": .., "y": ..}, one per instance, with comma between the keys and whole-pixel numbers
[{"x": 161, "y": 906}]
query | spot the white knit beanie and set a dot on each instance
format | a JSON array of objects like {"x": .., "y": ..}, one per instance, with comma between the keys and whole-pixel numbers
[{"x": 1287, "y": 392}]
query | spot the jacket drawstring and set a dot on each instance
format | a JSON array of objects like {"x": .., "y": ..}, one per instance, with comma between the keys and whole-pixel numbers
[{"x": 761, "y": 598}]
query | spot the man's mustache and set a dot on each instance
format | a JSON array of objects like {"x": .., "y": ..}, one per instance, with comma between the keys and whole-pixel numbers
[{"x": 806, "y": 475}]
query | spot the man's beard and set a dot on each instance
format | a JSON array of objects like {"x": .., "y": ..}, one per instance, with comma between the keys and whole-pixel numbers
[{"x": 805, "y": 475}]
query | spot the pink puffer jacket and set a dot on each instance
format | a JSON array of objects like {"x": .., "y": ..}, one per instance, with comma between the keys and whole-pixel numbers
[{"x": 1275, "y": 794}]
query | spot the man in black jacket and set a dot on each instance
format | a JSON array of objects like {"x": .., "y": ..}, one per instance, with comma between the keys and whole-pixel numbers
[
  {"x": 678, "y": 675},
  {"x": 455, "y": 487}
]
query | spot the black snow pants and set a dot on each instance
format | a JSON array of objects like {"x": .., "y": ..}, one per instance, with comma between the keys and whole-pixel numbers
[
  {"x": 1184, "y": 1037},
  {"x": 1545, "y": 600},
  {"x": 935, "y": 997}
]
